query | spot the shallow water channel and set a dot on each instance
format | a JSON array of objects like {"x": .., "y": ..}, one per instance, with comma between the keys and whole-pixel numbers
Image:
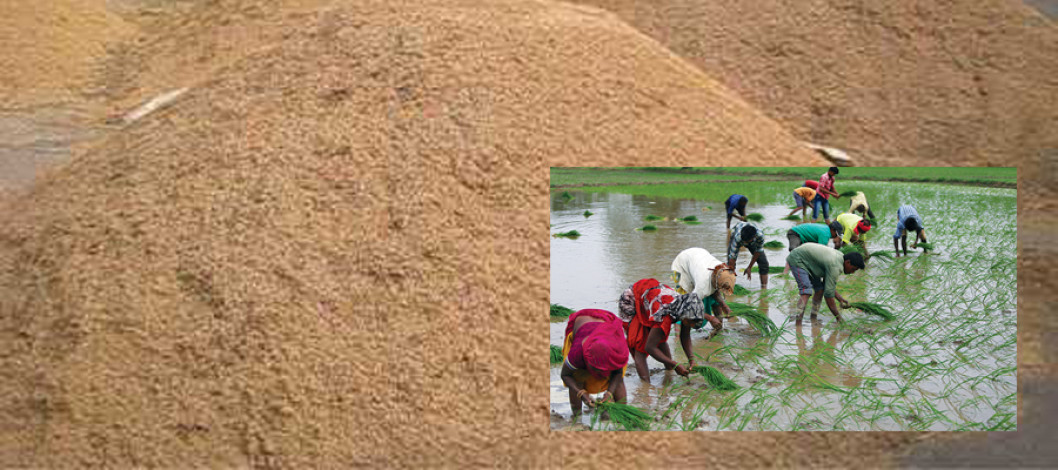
[{"x": 947, "y": 362}]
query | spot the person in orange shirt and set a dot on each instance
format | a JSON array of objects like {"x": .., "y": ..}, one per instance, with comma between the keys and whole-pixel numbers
[{"x": 803, "y": 198}]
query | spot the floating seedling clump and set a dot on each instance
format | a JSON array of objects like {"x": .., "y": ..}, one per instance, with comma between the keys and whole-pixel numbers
[
  {"x": 627, "y": 417},
  {"x": 793, "y": 217},
  {"x": 755, "y": 217},
  {"x": 927, "y": 247},
  {"x": 754, "y": 317},
  {"x": 560, "y": 311},
  {"x": 739, "y": 290},
  {"x": 648, "y": 228},
  {"x": 690, "y": 218},
  {"x": 651, "y": 217},
  {"x": 588, "y": 213},
  {"x": 565, "y": 195},
  {"x": 715, "y": 378},
  {"x": 872, "y": 308},
  {"x": 556, "y": 354},
  {"x": 775, "y": 245},
  {"x": 569, "y": 234},
  {"x": 771, "y": 269}
]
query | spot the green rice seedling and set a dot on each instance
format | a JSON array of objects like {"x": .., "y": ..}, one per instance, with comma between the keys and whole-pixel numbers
[
  {"x": 739, "y": 290},
  {"x": 560, "y": 311},
  {"x": 754, "y": 317},
  {"x": 565, "y": 195},
  {"x": 883, "y": 253},
  {"x": 775, "y": 245},
  {"x": 771, "y": 269},
  {"x": 648, "y": 228},
  {"x": 755, "y": 217},
  {"x": 693, "y": 222},
  {"x": 715, "y": 378},
  {"x": 927, "y": 247},
  {"x": 627, "y": 416},
  {"x": 792, "y": 217},
  {"x": 569, "y": 234},
  {"x": 651, "y": 217},
  {"x": 690, "y": 218},
  {"x": 872, "y": 308},
  {"x": 588, "y": 213},
  {"x": 850, "y": 248},
  {"x": 556, "y": 354}
]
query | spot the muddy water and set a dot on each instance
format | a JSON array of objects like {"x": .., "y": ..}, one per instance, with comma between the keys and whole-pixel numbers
[{"x": 956, "y": 296}]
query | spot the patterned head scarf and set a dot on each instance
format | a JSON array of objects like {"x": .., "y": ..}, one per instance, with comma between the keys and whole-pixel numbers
[{"x": 658, "y": 301}]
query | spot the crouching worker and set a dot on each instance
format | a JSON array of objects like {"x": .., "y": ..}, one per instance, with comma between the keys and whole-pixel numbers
[
  {"x": 747, "y": 234},
  {"x": 736, "y": 202},
  {"x": 852, "y": 228},
  {"x": 697, "y": 271},
  {"x": 859, "y": 205},
  {"x": 649, "y": 309},
  {"x": 595, "y": 357},
  {"x": 816, "y": 269},
  {"x": 908, "y": 220}
]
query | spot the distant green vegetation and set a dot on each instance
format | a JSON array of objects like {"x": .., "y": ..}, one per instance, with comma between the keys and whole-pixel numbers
[
  {"x": 594, "y": 176},
  {"x": 556, "y": 354}
]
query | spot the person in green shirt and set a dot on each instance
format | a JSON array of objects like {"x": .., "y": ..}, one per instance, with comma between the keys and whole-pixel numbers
[
  {"x": 816, "y": 269},
  {"x": 810, "y": 233}
]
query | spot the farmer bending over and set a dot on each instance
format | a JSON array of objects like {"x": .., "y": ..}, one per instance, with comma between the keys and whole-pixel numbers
[
  {"x": 803, "y": 197},
  {"x": 697, "y": 271},
  {"x": 858, "y": 204},
  {"x": 811, "y": 233},
  {"x": 852, "y": 228},
  {"x": 649, "y": 309},
  {"x": 823, "y": 193},
  {"x": 747, "y": 234},
  {"x": 736, "y": 202},
  {"x": 816, "y": 269},
  {"x": 595, "y": 357},
  {"x": 907, "y": 219}
]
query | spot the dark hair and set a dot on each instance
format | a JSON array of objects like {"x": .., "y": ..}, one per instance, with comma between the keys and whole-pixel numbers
[
  {"x": 912, "y": 225},
  {"x": 748, "y": 232},
  {"x": 835, "y": 225},
  {"x": 742, "y": 203},
  {"x": 834, "y": 169},
  {"x": 856, "y": 259}
]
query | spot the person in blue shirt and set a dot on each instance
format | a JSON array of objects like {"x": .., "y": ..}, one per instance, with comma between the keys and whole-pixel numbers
[
  {"x": 736, "y": 202},
  {"x": 908, "y": 220}
]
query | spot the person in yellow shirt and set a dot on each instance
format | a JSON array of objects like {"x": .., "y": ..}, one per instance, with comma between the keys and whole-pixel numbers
[
  {"x": 803, "y": 198},
  {"x": 851, "y": 226}
]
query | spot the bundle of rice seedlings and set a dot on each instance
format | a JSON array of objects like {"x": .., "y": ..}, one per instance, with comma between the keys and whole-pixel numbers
[
  {"x": 793, "y": 217},
  {"x": 872, "y": 308},
  {"x": 569, "y": 234},
  {"x": 775, "y": 244},
  {"x": 739, "y": 290},
  {"x": 754, "y": 317},
  {"x": 651, "y": 217},
  {"x": 690, "y": 218},
  {"x": 849, "y": 193},
  {"x": 566, "y": 195},
  {"x": 627, "y": 416},
  {"x": 560, "y": 311},
  {"x": 588, "y": 213},
  {"x": 926, "y": 246},
  {"x": 852, "y": 248},
  {"x": 771, "y": 269},
  {"x": 715, "y": 378},
  {"x": 556, "y": 354},
  {"x": 647, "y": 228},
  {"x": 883, "y": 253},
  {"x": 755, "y": 217},
  {"x": 693, "y": 222}
]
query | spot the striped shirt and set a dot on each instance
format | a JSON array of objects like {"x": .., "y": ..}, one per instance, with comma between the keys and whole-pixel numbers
[
  {"x": 754, "y": 245},
  {"x": 903, "y": 214}
]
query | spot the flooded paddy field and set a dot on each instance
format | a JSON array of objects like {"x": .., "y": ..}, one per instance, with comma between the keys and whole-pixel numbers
[{"x": 947, "y": 362}]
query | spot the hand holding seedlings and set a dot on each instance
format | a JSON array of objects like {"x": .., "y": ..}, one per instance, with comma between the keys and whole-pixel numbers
[
  {"x": 586, "y": 398},
  {"x": 682, "y": 370}
]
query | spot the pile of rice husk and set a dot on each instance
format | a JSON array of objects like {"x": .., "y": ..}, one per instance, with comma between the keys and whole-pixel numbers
[
  {"x": 53, "y": 51},
  {"x": 902, "y": 83},
  {"x": 323, "y": 255}
]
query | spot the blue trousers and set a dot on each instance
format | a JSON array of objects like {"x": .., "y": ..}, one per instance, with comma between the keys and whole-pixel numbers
[{"x": 816, "y": 203}]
